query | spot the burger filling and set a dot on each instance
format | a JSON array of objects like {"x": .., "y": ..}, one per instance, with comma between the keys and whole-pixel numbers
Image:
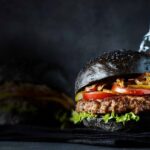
[{"x": 121, "y": 100}]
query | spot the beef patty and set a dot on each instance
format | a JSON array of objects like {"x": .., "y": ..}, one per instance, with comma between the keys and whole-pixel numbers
[{"x": 117, "y": 104}]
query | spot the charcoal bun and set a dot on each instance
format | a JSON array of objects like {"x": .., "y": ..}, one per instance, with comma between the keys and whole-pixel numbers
[
  {"x": 111, "y": 126},
  {"x": 142, "y": 125},
  {"x": 113, "y": 63}
]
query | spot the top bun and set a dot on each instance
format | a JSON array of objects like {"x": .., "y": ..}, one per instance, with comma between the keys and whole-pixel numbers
[{"x": 113, "y": 63}]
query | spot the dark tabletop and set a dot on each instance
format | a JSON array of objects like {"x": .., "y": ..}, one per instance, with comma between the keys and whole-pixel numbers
[{"x": 53, "y": 146}]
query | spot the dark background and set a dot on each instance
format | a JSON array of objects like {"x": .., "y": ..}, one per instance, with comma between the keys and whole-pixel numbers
[{"x": 49, "y": 41}]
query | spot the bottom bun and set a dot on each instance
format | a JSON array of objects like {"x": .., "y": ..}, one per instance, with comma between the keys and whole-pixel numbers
[{"x": 111, "y": 126}]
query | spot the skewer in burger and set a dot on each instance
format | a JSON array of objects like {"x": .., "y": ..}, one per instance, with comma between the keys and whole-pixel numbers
[{"x": 112, "y": 91}]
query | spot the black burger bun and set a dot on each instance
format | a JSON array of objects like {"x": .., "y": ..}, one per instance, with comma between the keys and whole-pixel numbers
[
  {"x": 111, "y": 126},
  {"x": 113, "y": 63}
]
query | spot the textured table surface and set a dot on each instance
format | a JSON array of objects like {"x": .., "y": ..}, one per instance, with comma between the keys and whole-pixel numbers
[{"x": 53, "y": 146}]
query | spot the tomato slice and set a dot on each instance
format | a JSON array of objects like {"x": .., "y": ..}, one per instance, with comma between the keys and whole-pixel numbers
[
  {"x": 96, "y": 95},
  {"x": 130, "y": 91}
]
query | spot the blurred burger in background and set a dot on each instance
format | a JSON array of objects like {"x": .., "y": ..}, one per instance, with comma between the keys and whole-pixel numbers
[
  {"x": 26, "y": 103},
  {"x": 27, "y": 97}
]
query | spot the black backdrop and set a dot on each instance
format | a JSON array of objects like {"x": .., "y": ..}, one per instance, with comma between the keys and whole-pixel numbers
[{"x": 64, "y": 34}]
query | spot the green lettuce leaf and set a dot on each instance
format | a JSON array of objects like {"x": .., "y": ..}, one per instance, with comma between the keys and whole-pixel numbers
[
  {"x": 79, "y": 117},
  {"x": 122, "y": 118},
  {"x": 108, "y": 117}
]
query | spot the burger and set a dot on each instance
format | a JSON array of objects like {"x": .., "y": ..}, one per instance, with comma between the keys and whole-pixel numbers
[
  {"x": 112, "y": 91},
  {"x": 33, "y": 104}
]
